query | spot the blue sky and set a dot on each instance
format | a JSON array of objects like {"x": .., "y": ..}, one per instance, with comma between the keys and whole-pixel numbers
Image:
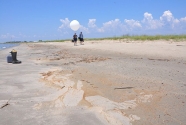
[{"x": 34, "y": 20}]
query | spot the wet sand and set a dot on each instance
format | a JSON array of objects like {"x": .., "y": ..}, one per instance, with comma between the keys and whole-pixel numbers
[{"x": 101, "y": 82}]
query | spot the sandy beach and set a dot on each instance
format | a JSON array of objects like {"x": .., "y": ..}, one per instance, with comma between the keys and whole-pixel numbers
[{"x": 99, "y": 83}]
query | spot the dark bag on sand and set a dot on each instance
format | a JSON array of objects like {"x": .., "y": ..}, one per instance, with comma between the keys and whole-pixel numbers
[
  {"x": 72, "y": 40},
  {"x": 9, "y": 59}
]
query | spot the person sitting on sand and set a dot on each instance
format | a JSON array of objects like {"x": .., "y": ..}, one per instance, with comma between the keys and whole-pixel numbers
[
  {"x": 81, "y": 38},
  {"x": 75, "y": 39}
]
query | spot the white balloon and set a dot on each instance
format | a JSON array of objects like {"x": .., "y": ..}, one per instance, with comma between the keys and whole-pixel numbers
[{"x": 74, "y": 25}]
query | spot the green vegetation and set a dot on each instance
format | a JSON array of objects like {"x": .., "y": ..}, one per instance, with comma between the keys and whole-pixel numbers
[
  {"x": 145, "y": 37},
  {"x": 175, "y": 38},
  {"x": 134, "y": 38}
]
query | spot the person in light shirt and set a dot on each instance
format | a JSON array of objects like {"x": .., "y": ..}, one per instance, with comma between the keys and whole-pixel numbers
[{"x": 81, "y": 38}]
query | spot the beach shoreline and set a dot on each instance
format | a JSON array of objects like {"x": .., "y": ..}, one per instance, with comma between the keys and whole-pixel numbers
[
  {"x": 4, "y": 46},
  {"x": 101, "y": 82}
]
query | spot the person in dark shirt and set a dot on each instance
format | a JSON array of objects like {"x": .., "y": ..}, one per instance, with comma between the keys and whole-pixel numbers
[{"x": 75, "y": 39}]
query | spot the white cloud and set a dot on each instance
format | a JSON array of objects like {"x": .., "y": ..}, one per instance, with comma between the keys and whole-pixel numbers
[
  {"x": 165, "y": 24},
  {"x": 112, "y": 23},
  {"x": 91, "y": 23},
  {"x": 183, "y": 24},
  {"x": 7, "y": 35},
  {"x": 167, "y": 16},
  {"x": 84, "y": 29},
  {"x": 132, "y": 24},
  {"x": 176, "y": 21},
  {"x": 148, "y": 16},
  {"x": 111, "y": 26},
  {"x": 101, "y": 30},
  {"x": 183, "y": 19},
  {"x": 65, "y": 23},
  {"x": 168, "y": 20},
  {"x": 150, "y": 23}
]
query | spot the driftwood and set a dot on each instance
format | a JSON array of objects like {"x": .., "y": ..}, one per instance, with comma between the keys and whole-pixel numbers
[
  {"x": 124, "y": 88},
  {"x": 6, "y": 104}
]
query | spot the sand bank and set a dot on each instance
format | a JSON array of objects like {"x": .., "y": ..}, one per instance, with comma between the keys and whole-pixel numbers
[{"x": 101, "y": 82}]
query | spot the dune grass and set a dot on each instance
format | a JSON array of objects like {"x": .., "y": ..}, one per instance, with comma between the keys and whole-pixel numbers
[
  {"x": 175, "y": 38},
  {"x": 145, "y": 37}
]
